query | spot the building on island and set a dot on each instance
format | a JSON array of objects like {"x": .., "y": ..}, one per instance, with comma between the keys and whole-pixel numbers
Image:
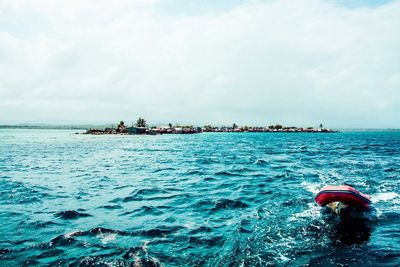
[{"x": 136, "y": 130}]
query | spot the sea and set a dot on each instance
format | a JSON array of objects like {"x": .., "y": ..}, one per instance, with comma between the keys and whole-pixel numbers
[{"x": 209, "y": 199}]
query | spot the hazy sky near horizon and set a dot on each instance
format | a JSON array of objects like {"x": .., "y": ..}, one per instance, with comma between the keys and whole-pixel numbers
[{"x": 300, "y": 63}]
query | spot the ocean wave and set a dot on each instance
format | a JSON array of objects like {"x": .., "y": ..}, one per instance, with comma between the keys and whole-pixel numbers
[
  {"x": 159, "y": 231},
  {"x": 226, "y": 173},
  {"x": 312, "y": 212},
  {"x": 71, "y": 214},
  {"x": 386, "y": 196},
  {"x": 225, "y": 203},
  {"x": 143, "y": 194},
  {"x": 146, "y": 210}
]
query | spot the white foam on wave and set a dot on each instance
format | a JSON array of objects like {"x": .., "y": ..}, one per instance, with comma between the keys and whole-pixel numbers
[
  {"x": 105, "y": 238},
  {"x": 313, "y": 188},
  {"x": 378, "y": 213},
  {"x": 283, "y": 258},
  {"x": 69, "y": 235},
  {"x": 190, "y": 225},
  {"x": 384, "y": 196},
  {"x": 330, "y": 177},
  {"x": 313, "y": 211}
]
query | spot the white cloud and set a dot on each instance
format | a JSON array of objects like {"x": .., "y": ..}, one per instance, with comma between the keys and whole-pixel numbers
[{"x": 294, "y": 62}]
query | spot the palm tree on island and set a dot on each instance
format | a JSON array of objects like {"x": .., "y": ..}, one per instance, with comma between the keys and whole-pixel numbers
[
  {"x": 141, "y": 122},
  {"x": 121, "y": 128}
]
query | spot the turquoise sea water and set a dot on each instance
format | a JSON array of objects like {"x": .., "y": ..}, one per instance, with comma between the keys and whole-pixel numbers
[{"x": 215, "y": 199}]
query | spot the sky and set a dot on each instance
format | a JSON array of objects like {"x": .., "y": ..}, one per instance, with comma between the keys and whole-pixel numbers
[{"x": 297, "y": 63}]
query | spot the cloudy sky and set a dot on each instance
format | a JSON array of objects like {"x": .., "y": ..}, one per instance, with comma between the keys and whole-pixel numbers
[{"x": 253, "y": 62}]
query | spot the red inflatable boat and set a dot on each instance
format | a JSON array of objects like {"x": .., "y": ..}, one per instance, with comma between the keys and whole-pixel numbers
[{"x": 342, "y": 193}]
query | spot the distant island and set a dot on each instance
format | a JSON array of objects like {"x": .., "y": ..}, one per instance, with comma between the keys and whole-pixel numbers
[{"x": 141, "y": 128}]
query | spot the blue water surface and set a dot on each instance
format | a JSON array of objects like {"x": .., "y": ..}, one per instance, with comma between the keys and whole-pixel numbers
[{"x": 211, "y": 199}]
